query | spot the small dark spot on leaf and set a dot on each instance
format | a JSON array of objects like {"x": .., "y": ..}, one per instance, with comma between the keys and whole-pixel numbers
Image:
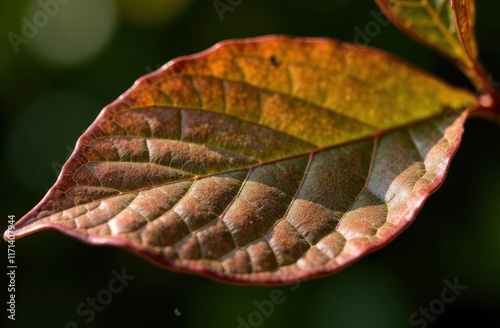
[{"x": 275, "y": 61}]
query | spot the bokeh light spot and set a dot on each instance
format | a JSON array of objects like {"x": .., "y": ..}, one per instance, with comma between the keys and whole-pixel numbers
[{"x": 66, "y": 32}]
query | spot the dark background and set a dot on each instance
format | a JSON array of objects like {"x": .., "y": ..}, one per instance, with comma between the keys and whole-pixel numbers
[{"x": 92, "y": 51}]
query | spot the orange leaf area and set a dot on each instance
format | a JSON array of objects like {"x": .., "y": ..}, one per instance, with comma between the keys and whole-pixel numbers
[{"x": 265, "y": 160}]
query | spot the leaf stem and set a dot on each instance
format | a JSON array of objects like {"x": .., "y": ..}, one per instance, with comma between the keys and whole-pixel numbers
[{"x": 489, "y": 99}]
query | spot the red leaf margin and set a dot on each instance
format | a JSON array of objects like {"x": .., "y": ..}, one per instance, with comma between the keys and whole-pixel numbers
[{"x": 416, "y": 200}]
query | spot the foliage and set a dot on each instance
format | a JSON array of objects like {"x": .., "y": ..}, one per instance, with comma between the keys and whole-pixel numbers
[{"x": 447, "y": 116}]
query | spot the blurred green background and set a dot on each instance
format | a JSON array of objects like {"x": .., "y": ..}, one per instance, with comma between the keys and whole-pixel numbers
[{"x": 56, "y": 77}]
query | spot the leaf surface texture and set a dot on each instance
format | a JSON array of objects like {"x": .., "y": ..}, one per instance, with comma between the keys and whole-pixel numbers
[{"x": 265, "y": 160}]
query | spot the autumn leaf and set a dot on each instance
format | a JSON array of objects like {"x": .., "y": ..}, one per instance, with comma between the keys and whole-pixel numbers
[
  {"x": 265, "y": 160},
  {"x": 430, "y": 22},
  {"x": 446, "y": 26},
  {"x": 465, "y": 16},
  {"x": 465, "y": 19}
]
